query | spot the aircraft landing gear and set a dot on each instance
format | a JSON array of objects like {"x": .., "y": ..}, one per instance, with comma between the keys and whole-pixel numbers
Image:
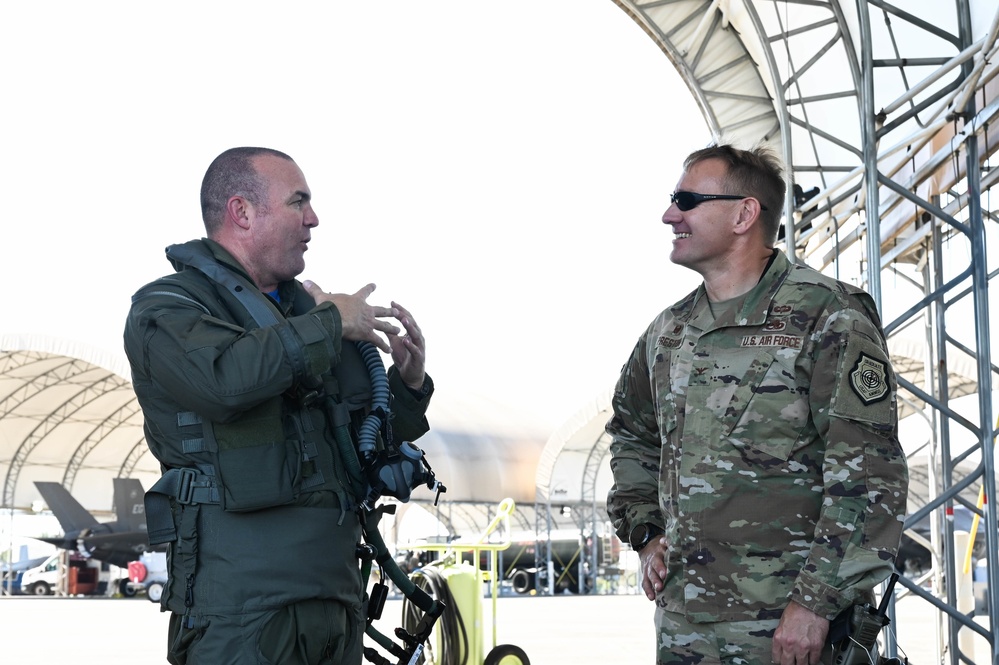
[{"x": 126, "y": 589}]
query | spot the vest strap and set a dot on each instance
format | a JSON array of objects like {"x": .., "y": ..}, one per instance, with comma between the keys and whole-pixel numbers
[
  {"x": 185, "y": 486},
  {"x": 257, "y": 305}
]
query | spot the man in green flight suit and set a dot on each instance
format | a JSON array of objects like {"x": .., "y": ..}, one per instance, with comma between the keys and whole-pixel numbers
[
  {"x": 757, "y": 467},
  {"x": 253, "y": 392}
]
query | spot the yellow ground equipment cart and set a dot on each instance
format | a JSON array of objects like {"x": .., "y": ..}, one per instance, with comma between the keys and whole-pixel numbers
[{"x": 458, "y": 584}]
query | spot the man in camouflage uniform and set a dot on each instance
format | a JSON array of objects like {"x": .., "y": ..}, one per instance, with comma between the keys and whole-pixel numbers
[{"x": 755, "y": 451}]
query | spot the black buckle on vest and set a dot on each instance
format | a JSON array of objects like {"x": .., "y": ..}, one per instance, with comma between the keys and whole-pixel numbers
[{"x": 185, "y": 486}]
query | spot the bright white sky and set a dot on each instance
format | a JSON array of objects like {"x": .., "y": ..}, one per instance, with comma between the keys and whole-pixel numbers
[{"x": 498, "y": 168}]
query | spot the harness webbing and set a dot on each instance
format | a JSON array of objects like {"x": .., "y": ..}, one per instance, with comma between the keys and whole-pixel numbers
[{"x": 257, "y": 305}]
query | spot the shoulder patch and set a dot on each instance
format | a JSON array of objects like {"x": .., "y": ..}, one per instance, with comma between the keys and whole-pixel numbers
[{"x": 869, "y": 379}]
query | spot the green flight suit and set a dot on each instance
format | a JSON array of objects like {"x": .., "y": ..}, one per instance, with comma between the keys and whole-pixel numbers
[{"x": 262, "y": 539}]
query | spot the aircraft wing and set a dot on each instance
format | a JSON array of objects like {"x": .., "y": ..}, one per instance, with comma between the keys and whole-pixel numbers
[
  {"x": 118, "y": 542},
  {"x": 130, "y": 539}
]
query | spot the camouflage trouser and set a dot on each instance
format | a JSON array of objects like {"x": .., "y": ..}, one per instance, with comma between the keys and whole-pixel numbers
[
  {"x": 310, "y": 632},
  {"x": 681, "y": 642}
]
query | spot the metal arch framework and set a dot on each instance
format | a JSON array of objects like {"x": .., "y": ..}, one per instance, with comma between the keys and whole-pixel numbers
[
  {"x": 65, "y": 411},
  {"x": 104, "y": 428},
  {"x": 470, "y": 518},
  {"x": 594, "y": 515},
  {"x": 102, "y": 435},
  {"x": 588, "y": 515},
  {"x": 63, "y": 371},
  {"x": 883, "y": 112},
  {"x": 67, "y": 373},
  {"x": 135, "y": 453},
  {"x": 788, "y": 72}
]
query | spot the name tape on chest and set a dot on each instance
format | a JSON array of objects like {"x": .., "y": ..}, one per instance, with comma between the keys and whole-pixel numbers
[
  {"x": 784, "y": 341},
  {"x": 668, "y": 342}
]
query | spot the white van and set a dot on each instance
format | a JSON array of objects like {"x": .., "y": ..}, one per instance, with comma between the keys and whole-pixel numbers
[{"x": 44, "y": 579}]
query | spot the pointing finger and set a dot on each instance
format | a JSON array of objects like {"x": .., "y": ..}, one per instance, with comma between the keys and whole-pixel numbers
[{"x": 365, "y": 291}]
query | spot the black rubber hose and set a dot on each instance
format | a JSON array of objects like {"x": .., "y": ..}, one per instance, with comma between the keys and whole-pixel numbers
[
  {"x": 451, "y": 628},
  {"x": 367, "y": 436}
]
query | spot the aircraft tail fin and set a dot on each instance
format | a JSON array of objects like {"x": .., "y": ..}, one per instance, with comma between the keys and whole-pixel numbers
[
  {"x": 71, "y": 515},
  {"x": 128, "y": 503}
]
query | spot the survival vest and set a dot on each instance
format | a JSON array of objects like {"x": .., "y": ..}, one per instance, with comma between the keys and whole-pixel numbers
[{"x": 258, "y": 511}]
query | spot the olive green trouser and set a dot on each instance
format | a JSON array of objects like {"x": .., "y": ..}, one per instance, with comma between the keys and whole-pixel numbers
[{"x": 309, "y": 632}]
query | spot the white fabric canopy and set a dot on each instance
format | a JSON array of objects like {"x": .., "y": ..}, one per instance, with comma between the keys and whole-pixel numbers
[{"x": 779, "y": 72}]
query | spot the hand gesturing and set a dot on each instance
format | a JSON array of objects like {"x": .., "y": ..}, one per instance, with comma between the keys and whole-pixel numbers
[{"x": 361, "y": 322}]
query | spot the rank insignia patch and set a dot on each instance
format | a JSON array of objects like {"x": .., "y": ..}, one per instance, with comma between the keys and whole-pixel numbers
[{"x": 869, "y": 379}]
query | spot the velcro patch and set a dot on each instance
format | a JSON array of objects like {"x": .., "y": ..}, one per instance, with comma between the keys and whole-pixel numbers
[
  {"x": 785, "y": 341},
  {"x": 869, "y": 379},
  {"x": 668, "y": 342}
]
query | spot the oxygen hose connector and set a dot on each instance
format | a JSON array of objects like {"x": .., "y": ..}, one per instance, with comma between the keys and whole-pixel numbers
[
  {"x": 378, "y": 417},
  {"x": 397, "y": 475},
  {"x": 397, "y": 470}
]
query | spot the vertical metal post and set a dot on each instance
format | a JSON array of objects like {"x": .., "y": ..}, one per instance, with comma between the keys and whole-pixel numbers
[
  {"x": 980, "y": 282},
  {"x": 940, "y": 537},
  {"x": 549, "y": 566},
  {"x": 869, "y": 138},
  {"x": 869, "y": 141},
  {"x": 8, "y": 576}
]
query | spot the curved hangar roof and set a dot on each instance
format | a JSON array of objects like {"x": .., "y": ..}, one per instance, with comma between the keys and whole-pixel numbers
[
  {"x": 68, "y": 414},
  {"x": 792, "y": 74},
  {"x": 789, "y": 74},
  {"x": 800, "y": 77}
]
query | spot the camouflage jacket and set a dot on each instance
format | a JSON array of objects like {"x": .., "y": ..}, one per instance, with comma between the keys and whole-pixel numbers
[{"x": 765, "y": 441}]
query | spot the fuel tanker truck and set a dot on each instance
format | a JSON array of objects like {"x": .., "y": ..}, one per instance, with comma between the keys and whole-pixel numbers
[{"x": 524, "y": 565}]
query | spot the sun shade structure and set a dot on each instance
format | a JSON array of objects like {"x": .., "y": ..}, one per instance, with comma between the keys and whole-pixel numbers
[
  {"x": 883, "y": 112},
  {"x": 68, "y": 414},
  {"x": 886, "y": 114}
]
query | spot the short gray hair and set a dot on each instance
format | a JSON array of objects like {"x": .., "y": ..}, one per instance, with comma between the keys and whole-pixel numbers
[{"x": 232, "y": 174}]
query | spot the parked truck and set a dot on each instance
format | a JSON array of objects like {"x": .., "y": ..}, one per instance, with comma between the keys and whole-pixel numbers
[
  {"x": 575, "y": 563},
  {"x": 524, "y": 565}
]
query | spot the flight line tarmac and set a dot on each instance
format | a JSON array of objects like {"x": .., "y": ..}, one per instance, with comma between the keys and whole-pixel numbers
[{"x": 558, "y": 630}]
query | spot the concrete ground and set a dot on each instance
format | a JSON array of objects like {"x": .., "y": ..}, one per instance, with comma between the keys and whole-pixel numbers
[{"x": 562, "y": 630}]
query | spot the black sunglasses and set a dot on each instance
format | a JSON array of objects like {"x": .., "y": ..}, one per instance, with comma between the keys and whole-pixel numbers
[{"x": 689, "y": 200}]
